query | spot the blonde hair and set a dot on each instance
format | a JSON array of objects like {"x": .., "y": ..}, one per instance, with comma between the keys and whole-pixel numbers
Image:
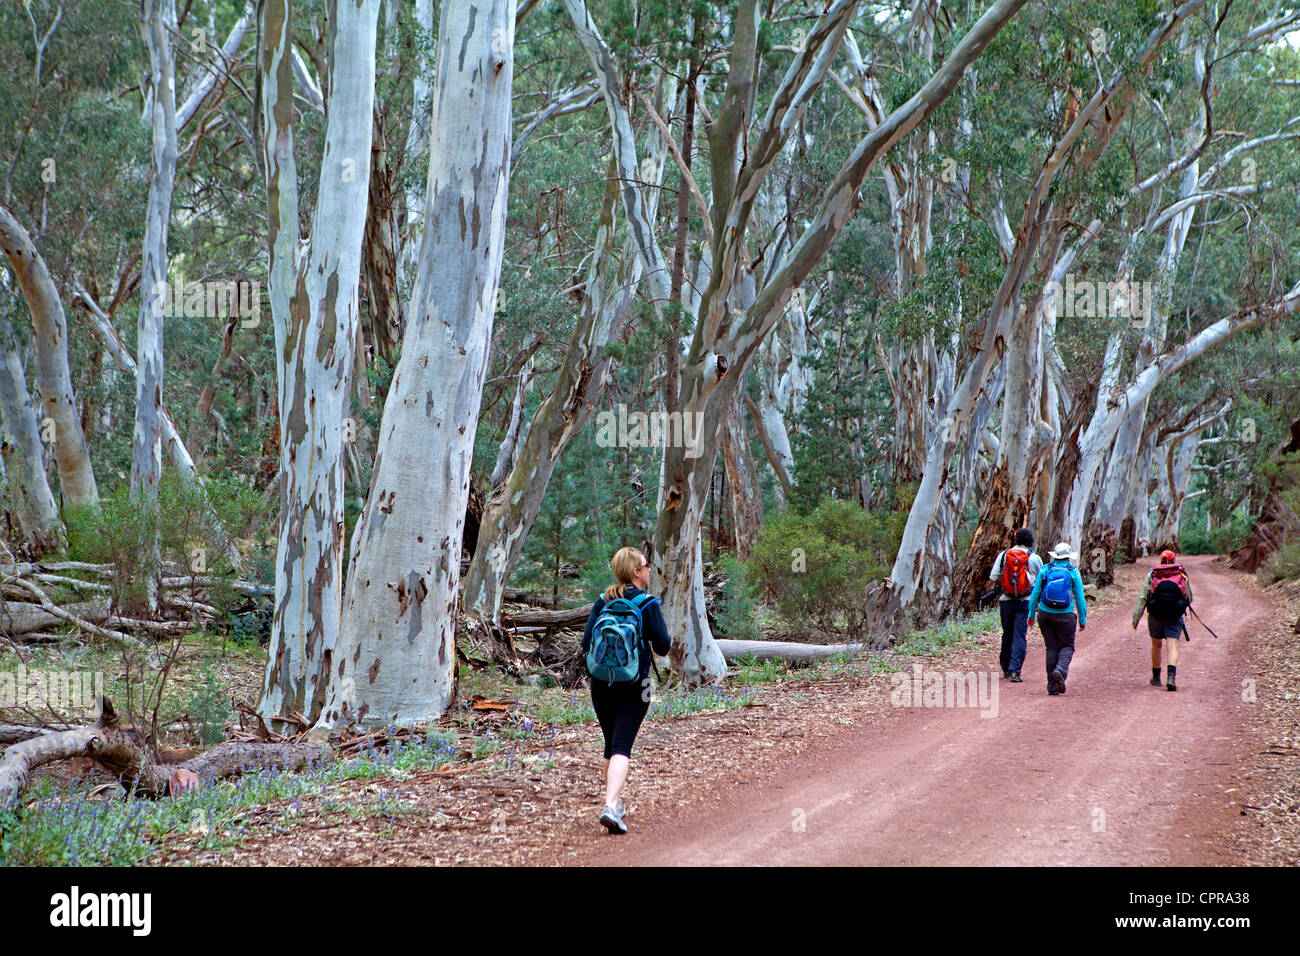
[{"x": 625, "y": 563}]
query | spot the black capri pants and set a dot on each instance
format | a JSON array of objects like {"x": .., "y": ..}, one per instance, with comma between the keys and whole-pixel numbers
[{"x": 620, "y": 708}]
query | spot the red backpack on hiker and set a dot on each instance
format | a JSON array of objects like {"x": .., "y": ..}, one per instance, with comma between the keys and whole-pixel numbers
[
  {"x": 1015, "y": 573},
  {"x": 1168, "y": 598}
]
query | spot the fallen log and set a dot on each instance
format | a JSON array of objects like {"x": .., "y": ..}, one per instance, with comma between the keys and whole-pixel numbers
[
  {"x": 786, "y": 650},
  {"x": 246, "y": 587},
  {"x": 21, "y": 617},
  {"x": 572, "y": 617},
  {"x": 122, "y": 751},
  {"x": 236, "y": 757},
  {"x": 520, "y": 596},
  {"x": 17, "y": 733}
]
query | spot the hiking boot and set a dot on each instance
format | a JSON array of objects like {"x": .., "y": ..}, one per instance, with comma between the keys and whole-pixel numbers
[
  {"x": 612, "y": 819},
  {"x": 1155, "y": 682},
  {"x": 1171, "y": 685},
  {"x": 1058, "y": 682},
  {"x": 1016, "y": 678}
]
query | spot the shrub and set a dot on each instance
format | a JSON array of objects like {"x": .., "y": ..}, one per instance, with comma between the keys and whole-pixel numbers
[
  {"x": 816, "y": 567},
  {"x": 735, "y": 614},
  {"x": 209, "y": 705}
]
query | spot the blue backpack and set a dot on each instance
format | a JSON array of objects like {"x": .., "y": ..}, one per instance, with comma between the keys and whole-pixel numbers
[
  {"x": 615, "y": 652},
  {"x": 1058, "y": 588}
]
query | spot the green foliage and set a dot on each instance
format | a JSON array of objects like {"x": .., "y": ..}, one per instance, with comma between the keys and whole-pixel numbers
[
  {"x": 735, "y": 615},
  {"x": 815, "y": 567},
  {"x": 209, "y": 705},
  {"x": 1284, "y": 563},
  {"x": 1193, "y": 538},
  {"x": 197, "y": 526}
]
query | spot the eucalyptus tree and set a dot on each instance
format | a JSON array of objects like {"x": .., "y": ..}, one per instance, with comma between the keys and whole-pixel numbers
[
  {"x": 1039, "y": 238},
  {"x": 29, "y": 501},
  {"x": 313, "y": 294},
  {"x": 743, "y": 146},
  {"x": 396, "y": 655}
]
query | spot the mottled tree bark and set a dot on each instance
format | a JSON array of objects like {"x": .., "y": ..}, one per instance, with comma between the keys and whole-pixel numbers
[
  {"x": 314, "y": 305},
  {"x": 30, "y": 501},
  {"x": 53, "y": 378},
  {"x": 396, "y": 659}
]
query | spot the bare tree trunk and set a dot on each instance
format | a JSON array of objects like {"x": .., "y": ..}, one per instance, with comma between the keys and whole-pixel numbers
[
  {"x": 1103, "y": 113},
  {"x": 53, "y": 378},
  {"x": 314, "y": 304},
  {"x": 159, "y": 27},
  {"x": 417, "y": 146},
  {"x": 30, "y": 500},
  {"x": 1113, "y": 404},
  {"x": 396, "y": 657},
  {"x": 746, "y": 497}
]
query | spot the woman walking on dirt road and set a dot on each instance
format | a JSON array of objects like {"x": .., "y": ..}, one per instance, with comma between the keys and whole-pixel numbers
[{"x": 621, "y": 623}]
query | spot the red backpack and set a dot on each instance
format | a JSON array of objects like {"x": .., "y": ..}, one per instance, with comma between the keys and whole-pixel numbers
[
  {"x": 1168, "y": 597},
  {"x": 1015, "y": 573}
]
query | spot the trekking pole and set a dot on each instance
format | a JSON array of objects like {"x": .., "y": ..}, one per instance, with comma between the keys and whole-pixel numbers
[{"x": 1202, "y": 623}]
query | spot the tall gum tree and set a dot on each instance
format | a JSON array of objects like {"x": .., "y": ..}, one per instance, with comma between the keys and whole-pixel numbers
[
  {"x": 50, "y": 345},
  {"x": 742, "y": 149},
  {"x": 1101, "y": 116},
  {"x": 314, "y": 306},
  {"x": 396, "y": 657}
]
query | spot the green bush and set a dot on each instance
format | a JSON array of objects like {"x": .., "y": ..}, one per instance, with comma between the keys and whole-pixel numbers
[
  {"x": 1194, "y": 539},
  {"x": 198, "y": 526},
  {"x": 1284, "y": 563},
  {"x": 815, "y": 568},
  {"x": 209, "y": 705},
  {"x": 735, "y": 614}
]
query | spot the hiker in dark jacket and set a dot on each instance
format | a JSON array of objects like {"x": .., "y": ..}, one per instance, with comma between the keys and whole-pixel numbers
[
  {"x": 1164, "y": 612},
  {"x": 1058, "y": 591},
  {"x": 621, "y": 705},
  {"x": 1016, "y": 585}
]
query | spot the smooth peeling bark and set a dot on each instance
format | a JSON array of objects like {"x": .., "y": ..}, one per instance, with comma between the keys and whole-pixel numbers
[
  {"x": 396, "y": 657},
  {"x": 30, "y": 500},
  {"x": 315, "y": 308},
  {"x": 159, "y": 28},
  {"x": 686, "y": 478},
  {"x": 1111, "y": 412},
  {"x": 745, "y": 495},
  {"x": 57, "y": 402}
]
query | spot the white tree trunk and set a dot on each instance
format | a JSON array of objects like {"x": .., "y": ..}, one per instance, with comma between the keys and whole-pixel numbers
[
  {"x": 159, "y": 28},
  {"x": 30, "y": 500},
  {"x": 396, "y": 657},
  {"x": 1102, "y": 115},
  {"x": 314, "y": 307},
  {"x": 53, "y": 378},
  {"x": 1114, "y": 404}
]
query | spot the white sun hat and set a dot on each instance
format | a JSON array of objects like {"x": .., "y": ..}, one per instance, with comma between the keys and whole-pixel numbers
[{"x": 1062, "y": 552}]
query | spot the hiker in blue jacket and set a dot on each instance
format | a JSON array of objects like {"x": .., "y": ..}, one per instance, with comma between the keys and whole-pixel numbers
[
  {"x": 621, "y": 705},
  {"x": 1058, "y": 591}
]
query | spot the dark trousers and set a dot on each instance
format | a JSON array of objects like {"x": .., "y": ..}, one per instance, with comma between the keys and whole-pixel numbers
[
  {"x": 620, "y": 708},
  {"x": 1058, "y": 640},
  {"x": 1015, "y": 621}
]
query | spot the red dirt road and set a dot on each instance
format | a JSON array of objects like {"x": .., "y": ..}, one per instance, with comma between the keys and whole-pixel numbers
[{"x": 1114, "y": 772}]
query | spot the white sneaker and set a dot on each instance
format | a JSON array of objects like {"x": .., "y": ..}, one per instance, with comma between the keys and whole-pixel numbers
[{"x": 612, "y": 819}]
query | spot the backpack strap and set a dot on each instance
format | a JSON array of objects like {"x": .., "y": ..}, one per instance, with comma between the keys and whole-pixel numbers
[{"x": 641, "y": 602}]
